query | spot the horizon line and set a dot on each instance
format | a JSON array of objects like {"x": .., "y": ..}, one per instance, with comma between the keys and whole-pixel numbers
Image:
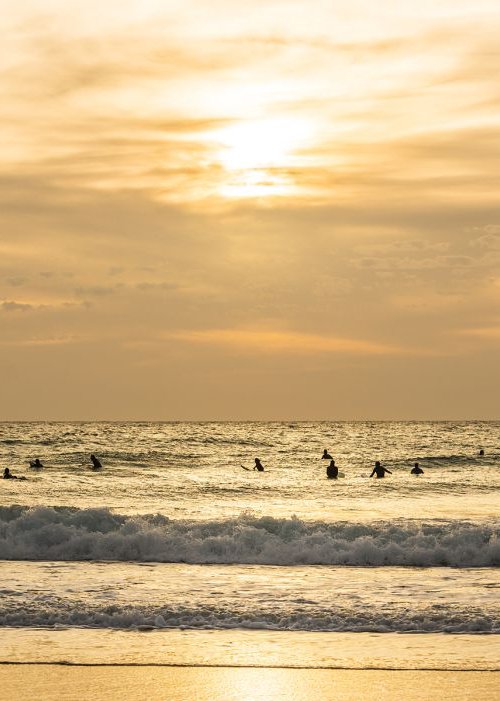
[{"x": 281, "y": 421}]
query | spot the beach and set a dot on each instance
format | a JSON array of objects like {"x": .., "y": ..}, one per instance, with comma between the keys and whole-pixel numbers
[{"x": 57, "y": 683}]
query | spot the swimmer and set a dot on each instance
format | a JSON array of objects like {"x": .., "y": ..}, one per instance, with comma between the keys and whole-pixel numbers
[
  {"x": 481, "y": 453},
  {"x": 96, "y": 463},
  {"x": 326, "y": 455},
  {"x": 380, "y": 471},
  {"x": 36, "y": 465},
  {"x": 7, "y": 475},
  {"x": 332, "y": 471},
  {"x": 416, "y": 470},
  {"x": 258, "y": 465}
]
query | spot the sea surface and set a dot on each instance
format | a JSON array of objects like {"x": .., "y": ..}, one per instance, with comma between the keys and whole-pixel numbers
[{"x": 174, "y": 554}]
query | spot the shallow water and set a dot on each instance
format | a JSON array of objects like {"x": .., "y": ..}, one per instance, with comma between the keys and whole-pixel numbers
[
  {"x": 252, "y": 648},
  {"x": 136, "y": 595}
]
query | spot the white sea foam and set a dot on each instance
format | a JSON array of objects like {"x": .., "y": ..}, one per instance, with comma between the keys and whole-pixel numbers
[
  {"x": 57, "y": 615},
  {"x": 45, "y": 533}
]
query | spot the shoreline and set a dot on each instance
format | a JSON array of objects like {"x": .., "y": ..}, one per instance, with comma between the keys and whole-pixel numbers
[{"x": 299, "y": 668}]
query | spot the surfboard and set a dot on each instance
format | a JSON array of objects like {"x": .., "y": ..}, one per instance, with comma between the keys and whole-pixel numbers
[
  {"x": 341, "y": 475},
  {"x": 246, "y": 468}
]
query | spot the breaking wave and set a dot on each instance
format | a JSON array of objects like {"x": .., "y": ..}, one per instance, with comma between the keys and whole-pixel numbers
[
  {"x": 57, "y": 614},
  {"x": 52, "y": 533}
]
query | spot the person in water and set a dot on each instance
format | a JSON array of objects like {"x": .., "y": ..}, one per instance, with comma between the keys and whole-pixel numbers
[
  {"x": 258, "y": 465},
  {"x": 36, "y": 464},
  {"x": 416, "y": 470},
  {"x": 326, "y": 455},
  {"x": 332, "y": 471},
  {"x": 7, "y": 475},
  {"x": 96, "y": 463},
  {"x": 481, "y": 453},
  {"x": 380, "y": 471}
]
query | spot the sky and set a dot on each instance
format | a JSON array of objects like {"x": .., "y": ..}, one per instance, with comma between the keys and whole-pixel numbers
[{"x": 275, "y": 210}]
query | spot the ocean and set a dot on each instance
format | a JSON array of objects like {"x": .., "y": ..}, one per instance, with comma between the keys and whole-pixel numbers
[{"x": 174, "y": 554}]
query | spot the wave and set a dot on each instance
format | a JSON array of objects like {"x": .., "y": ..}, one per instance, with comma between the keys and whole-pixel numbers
[
  {"x": 222, "y": 440},
  {"x": 60, "y": 613},
  {"x": 462, "y": 459},
  {"x": 65, "y": 533}
]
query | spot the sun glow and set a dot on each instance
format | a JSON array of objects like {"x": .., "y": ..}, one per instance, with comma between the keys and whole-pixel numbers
[{"x": 258, "y": 156}]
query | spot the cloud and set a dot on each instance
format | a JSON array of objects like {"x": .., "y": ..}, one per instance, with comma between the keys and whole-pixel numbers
[
  {"x": 54, "y": 65},
  {"x": 16, "y": 281},
  {"x": 151, "y": 286},
  {"x": 488, "y": 333},
  {"x": 95, "y": 291},
  {"x": 13, "y": 307},
  {"x": 17, "y": 307},
  {"x": 40, "y": 341},
  {"x": 489, "y": 238},
  {"x": 284, "y": 342}
]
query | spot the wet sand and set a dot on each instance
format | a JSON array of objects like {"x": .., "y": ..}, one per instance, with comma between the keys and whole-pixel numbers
[{"x": 26, "y": 682}]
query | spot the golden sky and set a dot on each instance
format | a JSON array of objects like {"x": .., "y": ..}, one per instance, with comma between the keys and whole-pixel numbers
[{"x": 268, "y": 210}]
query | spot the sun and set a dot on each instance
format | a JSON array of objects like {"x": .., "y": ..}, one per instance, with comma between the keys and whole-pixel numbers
[{"x": 257, "y": 156}]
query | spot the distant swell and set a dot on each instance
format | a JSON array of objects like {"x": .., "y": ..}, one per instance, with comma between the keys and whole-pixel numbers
[
  {"x": 457, "y": 460},
  {"x": 46, "y": 533}
]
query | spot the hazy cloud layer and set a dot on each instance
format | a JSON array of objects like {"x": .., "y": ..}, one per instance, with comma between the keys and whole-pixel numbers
[{"x": 272, "y": 214}]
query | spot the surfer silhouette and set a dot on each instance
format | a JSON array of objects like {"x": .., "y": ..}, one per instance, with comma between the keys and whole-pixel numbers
[
  {"x": 326, "y": 455},
  {"x": 96, "y": 463},
  {"x": 36, "y": 464},
  {"x": 379, "y": 470},
  {"x": 258, "y": 465},
  {"x": 332, "y": 471},
  {"x": 416, "y": 470}
]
